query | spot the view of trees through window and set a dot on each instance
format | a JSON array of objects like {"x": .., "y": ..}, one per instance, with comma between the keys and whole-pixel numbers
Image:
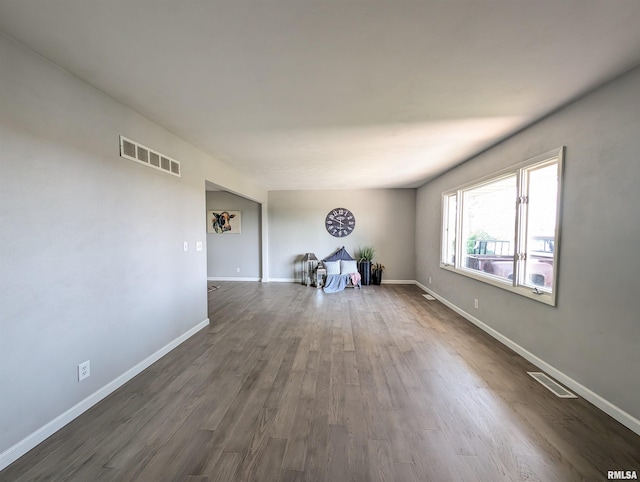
[
  {"x": 505, "y": 228},
  {"x": 488, "y": 227}
]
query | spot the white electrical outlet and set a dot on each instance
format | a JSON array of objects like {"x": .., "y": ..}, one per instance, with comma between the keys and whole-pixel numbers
[
  {"x": 429, "y": 279},
  {"x": 185, "y": 246},
  {"x": 199, "y": 246},
  {"x": 84, "y": 370},
  {"x": 475, "y": 303},
  {"x": 237, "y": 270}
]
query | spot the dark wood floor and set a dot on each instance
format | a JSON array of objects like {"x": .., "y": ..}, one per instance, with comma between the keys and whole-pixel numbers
[{"x": 376, "y": 384}]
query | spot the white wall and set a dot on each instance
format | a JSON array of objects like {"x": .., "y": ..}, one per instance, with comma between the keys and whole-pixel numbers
[
  {"x": 227, "y": 252},
  {"x": 91, "y": 258},
  {"x": 384, "y": 219},
  {"x": 593, "y": 334}
]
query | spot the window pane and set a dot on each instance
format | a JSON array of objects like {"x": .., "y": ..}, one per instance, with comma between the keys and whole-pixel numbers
[
  {"x": 541, "y": 226},
  {"x": 488, "y": 227},
  {"x": 449, "y": 235},
  {"x": 504, "y": 230}
]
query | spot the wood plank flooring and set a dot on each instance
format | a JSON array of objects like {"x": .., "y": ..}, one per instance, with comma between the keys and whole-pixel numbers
[{"x": 291, "y": 384}]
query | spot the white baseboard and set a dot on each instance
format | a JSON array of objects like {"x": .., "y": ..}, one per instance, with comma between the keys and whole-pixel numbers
[
  {"x": 227, "y": 278},
  {"x": 603, "y": 404},
  {"x": 284, "y": 280},
  {"x": 18, "y": 450}
]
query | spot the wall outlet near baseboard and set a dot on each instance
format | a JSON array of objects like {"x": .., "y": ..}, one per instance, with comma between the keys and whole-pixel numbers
[
  {"x": 475, "y": 303},
  {"x": 84, "y": 370},
  {"x": 429, "y": 279}
]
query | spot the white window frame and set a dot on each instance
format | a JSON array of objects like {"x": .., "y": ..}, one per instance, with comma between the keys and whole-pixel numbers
[{"x": 517, "y": 285}]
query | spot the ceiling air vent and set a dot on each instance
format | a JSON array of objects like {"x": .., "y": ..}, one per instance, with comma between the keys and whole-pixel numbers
[{"x": 142, "y": 154}]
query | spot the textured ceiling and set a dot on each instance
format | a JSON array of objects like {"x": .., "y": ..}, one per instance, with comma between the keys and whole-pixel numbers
[{"x": 321, "y": 94}]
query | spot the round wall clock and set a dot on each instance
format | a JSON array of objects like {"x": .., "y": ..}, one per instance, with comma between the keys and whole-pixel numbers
[{"x": 340, "y": 222}]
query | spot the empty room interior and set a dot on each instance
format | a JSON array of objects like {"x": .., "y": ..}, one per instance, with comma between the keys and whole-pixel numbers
[{"x": 322, "y": 241}]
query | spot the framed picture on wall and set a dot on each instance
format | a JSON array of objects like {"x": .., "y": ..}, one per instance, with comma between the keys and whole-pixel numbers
[{"x": 221, "y": 222}]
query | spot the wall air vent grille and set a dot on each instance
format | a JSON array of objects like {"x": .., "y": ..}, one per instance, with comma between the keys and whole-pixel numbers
[
  {"x": 551, "y": 385},
  {"x": 142, "y": 154},
  {"x": 127, "y": 149},
  {"x": 154, "y": 159}
]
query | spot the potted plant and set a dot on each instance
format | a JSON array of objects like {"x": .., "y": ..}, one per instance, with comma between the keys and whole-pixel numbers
[
  {"x": 376, "y": 271},
  {"x": 365, "y": 256}
]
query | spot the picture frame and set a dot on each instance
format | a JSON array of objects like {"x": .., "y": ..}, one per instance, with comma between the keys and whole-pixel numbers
[{"x": 222, "y": 221}]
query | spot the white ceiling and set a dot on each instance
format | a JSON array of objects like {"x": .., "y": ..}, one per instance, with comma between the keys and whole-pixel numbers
[{"x": 328, "y": 94}]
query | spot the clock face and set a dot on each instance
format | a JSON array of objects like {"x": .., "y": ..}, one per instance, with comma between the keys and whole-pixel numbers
[{"x": 340, "y": 222}]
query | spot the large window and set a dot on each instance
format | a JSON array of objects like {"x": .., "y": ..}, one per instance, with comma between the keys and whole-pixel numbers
[{"x": 504, "y": 229}]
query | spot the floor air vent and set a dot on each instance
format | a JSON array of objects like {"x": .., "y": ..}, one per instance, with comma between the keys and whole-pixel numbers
[
  {"x": 551, "y": 385},
  {"x": 142, "y": 154}
]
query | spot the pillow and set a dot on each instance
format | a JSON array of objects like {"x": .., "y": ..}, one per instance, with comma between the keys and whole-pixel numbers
[
  {"x": 348, "y": 267},
  {"x": 338, "y": 255},
  {"x": 333, "y": 267}
]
